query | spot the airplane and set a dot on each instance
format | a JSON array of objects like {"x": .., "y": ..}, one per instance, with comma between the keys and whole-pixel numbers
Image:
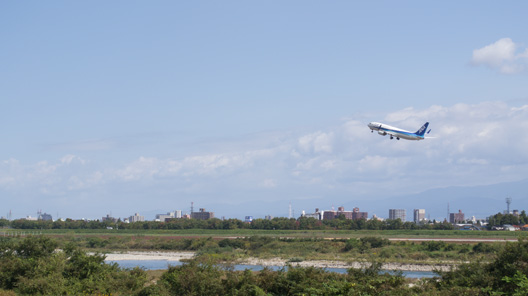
[{"x": 394, "y": 132}]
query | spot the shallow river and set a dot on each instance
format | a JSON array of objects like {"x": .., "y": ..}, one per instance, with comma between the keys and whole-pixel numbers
[{"x": 164, "y": 264}]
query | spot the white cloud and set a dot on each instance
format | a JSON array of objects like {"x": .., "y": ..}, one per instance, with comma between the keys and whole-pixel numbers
[
  {"x": 144, "y": 167},
  {"x": 381, "y": 165},
  {"x": 70, "y": 158},
  {"x": 268, "y": 183},
  {"x": 474, "y": 144},
  {"x": 502, "y": 56},
  {"x": 473, "y": 161},
  {"x": 329, "y": 164},
  {"x": 318, "y": 142}
]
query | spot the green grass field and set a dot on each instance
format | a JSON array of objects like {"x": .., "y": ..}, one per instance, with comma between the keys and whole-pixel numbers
[{"x": 329, "y": 234}]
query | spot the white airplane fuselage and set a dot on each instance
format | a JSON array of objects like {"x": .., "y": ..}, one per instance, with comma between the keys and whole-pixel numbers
[{"x": 398, "y": 133}]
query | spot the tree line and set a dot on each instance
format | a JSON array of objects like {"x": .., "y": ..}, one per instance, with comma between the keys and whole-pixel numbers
[
  {"x": 279, "y": 223},
  {"x": 500, "y": 219}
]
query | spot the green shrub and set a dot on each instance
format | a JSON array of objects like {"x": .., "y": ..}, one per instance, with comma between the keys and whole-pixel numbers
[
  {"x": 32, "y": 266},
  {"x": 432, "y": 246},
  {"x": 296, "y": 259},
  {"x": 484, "y": 248},
  {"x": 351, "y": 244},
  {"x": 374, "y": 242}
]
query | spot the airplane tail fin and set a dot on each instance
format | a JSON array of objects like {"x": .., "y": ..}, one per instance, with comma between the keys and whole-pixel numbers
[{"x": 422, "y": 130}]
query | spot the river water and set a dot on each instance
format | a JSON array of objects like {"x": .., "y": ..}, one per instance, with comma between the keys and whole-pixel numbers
[{"x": 164, "y": 264}]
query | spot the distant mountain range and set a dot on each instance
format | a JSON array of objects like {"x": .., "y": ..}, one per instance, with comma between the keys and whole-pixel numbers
[{"x": 478, "y": 201}]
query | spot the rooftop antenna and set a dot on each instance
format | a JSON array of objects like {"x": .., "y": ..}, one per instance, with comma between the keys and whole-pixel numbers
[{"x": 508, "y": 202}]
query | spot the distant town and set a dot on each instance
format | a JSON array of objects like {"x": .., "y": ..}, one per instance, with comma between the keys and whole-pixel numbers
[{"x": 419, "y": 217}]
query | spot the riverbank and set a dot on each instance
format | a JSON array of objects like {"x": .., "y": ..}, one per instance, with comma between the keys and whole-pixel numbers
[
  {"x": 179, "y": 256},
  {"x": 343, "y": 264},
  {"x": 154, "y": 255}
]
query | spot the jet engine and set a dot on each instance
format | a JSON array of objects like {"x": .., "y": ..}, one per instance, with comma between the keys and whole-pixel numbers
[{"x": 383, "y": 133}]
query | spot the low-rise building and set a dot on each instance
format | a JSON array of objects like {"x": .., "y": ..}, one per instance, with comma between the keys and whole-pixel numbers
[
  {"x": 202, "y": 215},
  {"x": 329, "y": 215},
  {"x": 467, "y": 227},
  {"x": 44, "y": 217},
  {"x": 355, "y": 214},
  {"x": 170, "y": 215},
  {"x": 455, "y": 218},
  {"x": 136, "y": 218},
  {"x": 316, "y": 215},
  {"x": 508, "y": 227},
  {"x": 108, "y": 218}
]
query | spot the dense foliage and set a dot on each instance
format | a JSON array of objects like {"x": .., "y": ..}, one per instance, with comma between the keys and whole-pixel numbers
[
  {"x": 202, "y": 278},
  {"x": 500, "y": 219},
  {"x": 35, "y": 266},
  {"x": 505, "y": 275},
  {"x": 302, "y": 223}
]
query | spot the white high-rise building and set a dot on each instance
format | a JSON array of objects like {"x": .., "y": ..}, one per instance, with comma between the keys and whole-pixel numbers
[
  {"x": 170, "y": 215},
  {"x": 136, "y": 218},
  {"x": 419, "y": 215},
  {"x": 178, "y": 214},
  {"x": 397, "y": 214}
]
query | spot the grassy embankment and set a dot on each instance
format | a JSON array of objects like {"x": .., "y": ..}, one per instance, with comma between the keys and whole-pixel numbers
[{"x": 275, "y": 233}]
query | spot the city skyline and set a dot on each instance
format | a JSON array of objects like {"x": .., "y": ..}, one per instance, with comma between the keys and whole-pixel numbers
[
  {"x": 244, "y": 107},
  {"x": 319, "y": 213}
]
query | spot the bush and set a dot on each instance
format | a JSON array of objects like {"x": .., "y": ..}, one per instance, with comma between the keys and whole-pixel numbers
[
  {"x": 432, "y": 246},
  {"x": 374, "y": 242},
  {"x": 351, "y": 244},
  {"x": 484, "y": 248},
  {"x": 504, "y": 275},
  {"x": 32, "y": 266},
  {"x": 233, "y": 243}
]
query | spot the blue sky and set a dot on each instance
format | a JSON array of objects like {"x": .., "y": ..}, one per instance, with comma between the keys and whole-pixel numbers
[{"x": 132, "y": 106}]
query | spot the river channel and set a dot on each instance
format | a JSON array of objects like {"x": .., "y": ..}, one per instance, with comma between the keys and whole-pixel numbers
[{"x": 164, "y": 264}]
